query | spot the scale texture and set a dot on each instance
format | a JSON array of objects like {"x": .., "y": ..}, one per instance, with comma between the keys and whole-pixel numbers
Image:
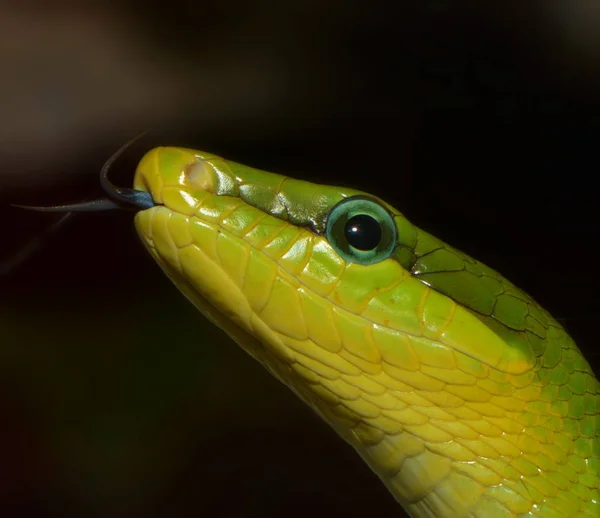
[{"x": 463, "y": 395}]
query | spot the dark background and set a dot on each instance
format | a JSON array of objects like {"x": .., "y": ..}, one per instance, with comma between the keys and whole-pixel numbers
[{"x": 116, "y": 398}]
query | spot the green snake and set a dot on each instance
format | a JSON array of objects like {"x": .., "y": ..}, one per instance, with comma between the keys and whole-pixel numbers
[{"x": 459, "y": 391}]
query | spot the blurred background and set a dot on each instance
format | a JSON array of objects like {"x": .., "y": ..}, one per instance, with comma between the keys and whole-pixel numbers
[{"x": 479, "y": 121}]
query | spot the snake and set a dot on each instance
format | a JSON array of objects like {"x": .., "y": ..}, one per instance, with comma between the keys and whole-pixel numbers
[{"x": 462, "y": 394}]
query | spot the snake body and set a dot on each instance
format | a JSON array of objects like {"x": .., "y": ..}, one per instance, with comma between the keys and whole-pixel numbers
[{"x": 459, "y": 391}]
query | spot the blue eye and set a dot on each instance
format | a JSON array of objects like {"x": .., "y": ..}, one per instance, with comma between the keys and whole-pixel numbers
[{"x": 361, "y": 230}]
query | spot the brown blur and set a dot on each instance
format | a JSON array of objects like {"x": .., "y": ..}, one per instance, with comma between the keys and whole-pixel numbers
[{"x": 116, "y": 398}]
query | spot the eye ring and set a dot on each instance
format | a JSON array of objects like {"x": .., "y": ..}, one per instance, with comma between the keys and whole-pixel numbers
[{"x": 361, "y": 230}]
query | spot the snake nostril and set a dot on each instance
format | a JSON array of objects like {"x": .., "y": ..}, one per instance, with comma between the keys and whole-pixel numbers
[{"x": 201, "y": 176}]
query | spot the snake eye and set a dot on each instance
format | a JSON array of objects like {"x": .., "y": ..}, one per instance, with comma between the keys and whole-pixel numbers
[{"x": 361, "y": 230}]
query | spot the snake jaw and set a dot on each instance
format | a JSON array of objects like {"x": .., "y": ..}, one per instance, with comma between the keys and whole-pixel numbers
[{"x": 423, "y": 362}]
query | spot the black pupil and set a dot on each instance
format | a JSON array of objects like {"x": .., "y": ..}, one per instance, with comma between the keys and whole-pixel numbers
[{"x": 363, "y": 232}]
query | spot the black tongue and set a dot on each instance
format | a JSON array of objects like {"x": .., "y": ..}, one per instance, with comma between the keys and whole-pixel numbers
[
  {"x": 86, "y": 206},
  {"x": 128, "y": 199}
]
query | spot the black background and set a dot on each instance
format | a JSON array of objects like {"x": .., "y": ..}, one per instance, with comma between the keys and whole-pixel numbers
[{"x": 479, "y": 123}]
